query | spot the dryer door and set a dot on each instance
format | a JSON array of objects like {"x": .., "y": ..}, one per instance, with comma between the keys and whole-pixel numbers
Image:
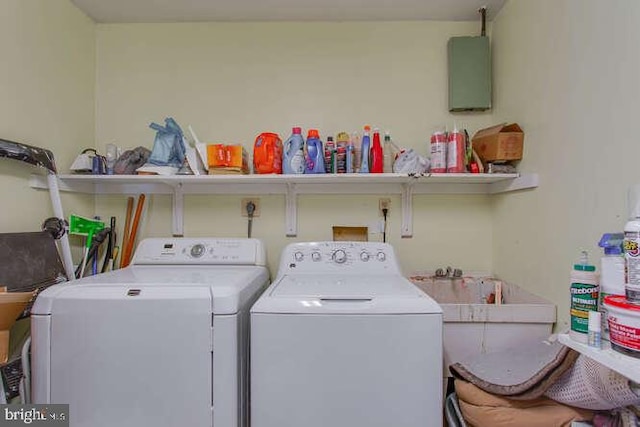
[{"x": 133, "y": 356}]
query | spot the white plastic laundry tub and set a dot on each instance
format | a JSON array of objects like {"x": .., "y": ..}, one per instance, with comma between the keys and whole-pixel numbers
[{"x": 473, "y": 327}]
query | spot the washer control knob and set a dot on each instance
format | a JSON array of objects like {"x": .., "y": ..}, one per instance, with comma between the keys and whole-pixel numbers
[
  {"x": 340, "y": 256},
  {"x": 364, "y": 256},
  {"x": 381, "y": 256},
  {"x": 298, "y": 256},
  {"x": 197, "y": 250},
  {"x": 316, "y": 256}
]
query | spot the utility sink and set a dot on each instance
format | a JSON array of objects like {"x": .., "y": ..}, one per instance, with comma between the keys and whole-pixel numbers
[{"x": 473, "y": 327}]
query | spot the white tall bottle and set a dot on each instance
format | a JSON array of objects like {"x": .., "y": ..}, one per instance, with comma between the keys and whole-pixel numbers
[
  {"x": 611, "y": 273},
  {"x": 632, "y": 259}
]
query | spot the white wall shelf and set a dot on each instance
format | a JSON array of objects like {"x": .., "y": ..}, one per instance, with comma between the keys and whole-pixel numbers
[
  {"x": 292, "y": 185},
  {"x": 622, "y": 364}
]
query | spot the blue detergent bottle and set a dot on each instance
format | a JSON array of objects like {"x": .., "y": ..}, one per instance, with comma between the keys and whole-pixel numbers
[
  {"x": 293, "y": 153},
  {"x": 366, "y": 146},
  {"x": 315, "y": 153}
]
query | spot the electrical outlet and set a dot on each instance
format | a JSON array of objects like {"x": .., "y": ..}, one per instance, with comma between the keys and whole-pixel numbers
[
  {"x": 384, "y": 204},
  {"x": 245, "y": 202}
]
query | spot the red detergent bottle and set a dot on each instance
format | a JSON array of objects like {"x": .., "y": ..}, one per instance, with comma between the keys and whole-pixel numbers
[{"x": 377, "y": 157}]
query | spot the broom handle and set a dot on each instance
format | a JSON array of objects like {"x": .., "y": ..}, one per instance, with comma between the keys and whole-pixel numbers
[
  {"x": 134, "y": 229},
  {"x": 127, "y": 224}
]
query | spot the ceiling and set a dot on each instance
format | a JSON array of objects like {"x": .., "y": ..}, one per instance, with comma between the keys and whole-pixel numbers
[{"x": 114, "y": 11}]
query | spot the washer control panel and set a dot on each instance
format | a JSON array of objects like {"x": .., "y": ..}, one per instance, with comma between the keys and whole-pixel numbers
[
  {"x": 205, "y": 251},
  {"x": 346, "y": 257}
]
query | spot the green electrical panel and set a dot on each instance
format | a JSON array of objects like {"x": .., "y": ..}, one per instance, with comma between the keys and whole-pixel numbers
[{"x": 469, "y": 74}]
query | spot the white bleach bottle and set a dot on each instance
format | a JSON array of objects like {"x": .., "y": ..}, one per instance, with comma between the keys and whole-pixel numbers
[
  {"x": 631, "y": 246},
  {"x": 611, "y": 273}
]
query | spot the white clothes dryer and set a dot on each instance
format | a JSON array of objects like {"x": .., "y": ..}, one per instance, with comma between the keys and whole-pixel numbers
[
  {"x": 342, "y": 339},
  {"x": 161, "y": 343}
]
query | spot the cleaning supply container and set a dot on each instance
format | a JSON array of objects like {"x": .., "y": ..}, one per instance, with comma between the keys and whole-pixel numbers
[
  {"x": 315, "y": 153},
  {"x": 632, "y": 259},
  {"x": 584, "y": 297},
  {"x": 438, "y": 150},
  {"x": 377, "y": 154},
  {"x": 611, "y": 273},
  {"x": 293, "y": 156},
  {"x": 624, "y": 325},
  {"x": 267, "y": 153},
  {"x": 365, "y": 150}
]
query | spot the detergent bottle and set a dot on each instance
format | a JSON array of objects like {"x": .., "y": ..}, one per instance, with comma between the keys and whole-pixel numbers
[
  {"x": 293, "y": 156},
  {"x": 315, "y": 153},
  {"x": 377, "y": 158},
  {"x": 365, "y": 148},
  {"x": 267, "y": 153}
]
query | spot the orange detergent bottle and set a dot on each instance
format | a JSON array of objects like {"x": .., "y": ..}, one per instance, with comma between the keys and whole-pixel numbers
[{"x": 267, "y": 153}]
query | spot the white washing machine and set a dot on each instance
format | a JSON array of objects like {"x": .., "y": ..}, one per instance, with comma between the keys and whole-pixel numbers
[
  {"x": 342, "y": 339},
  {"x": 161, "y": 343}
]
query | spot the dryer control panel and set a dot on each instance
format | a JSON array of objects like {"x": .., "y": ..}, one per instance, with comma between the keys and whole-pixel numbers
[
  {"x": 199, "y": 251},
  {"x": 345, "y": 257}
]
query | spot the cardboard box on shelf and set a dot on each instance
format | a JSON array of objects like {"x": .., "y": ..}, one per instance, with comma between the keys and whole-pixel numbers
[
  {"x": 227, "y": 159},
  {"x": 498, "y": 143}
]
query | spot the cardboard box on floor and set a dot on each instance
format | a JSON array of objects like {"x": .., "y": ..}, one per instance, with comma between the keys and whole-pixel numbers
[
  {"x": 11, "y": 305},
  {"x": 499, "y": 143}
]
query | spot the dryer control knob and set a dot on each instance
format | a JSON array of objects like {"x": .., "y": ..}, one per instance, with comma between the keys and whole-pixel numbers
[
  {"x": 197, "y": 250},
  {"x": 381, "y": 256},
  {"x": 298, "y": 256},
  {"x": 315, "y": 256},
  {"x": 364, "y": 256},
  {"x": 340, "y": 256}
]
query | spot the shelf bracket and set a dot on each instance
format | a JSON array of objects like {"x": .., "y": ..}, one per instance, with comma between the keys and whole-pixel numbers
[
  {"x": 291, "y": 199},
  {"x": 407, "y": 210},
  {"x": 178, "y": 211}
]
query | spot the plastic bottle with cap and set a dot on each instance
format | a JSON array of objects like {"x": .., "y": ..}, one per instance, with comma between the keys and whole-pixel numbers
[
  {"x": 293, "y": 153},
  {"x": 315, "y": 153},
  {"x": 388, "y": 153},
  {"x": 632, "y": 259},
  {"x": 584, "y": 297},
  {"x": 611, "y": 273},
  {"x": 377, "y": 154},
  {"x": 455, "y": 151},
  {"x": 356, "y": 152},
  {"x": 365, "y": 148}
]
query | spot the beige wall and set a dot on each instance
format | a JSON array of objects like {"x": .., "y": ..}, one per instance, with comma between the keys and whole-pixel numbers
[
  {"x": 565, "y": 70},
  {"x": 231, "y": 81},
  {"x": 47, "y": 83},
  {"x": 568, "y": 71}
]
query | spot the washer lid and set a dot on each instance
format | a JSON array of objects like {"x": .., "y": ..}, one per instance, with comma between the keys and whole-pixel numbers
[
  {"x": 228, "y": 287},
  {"x": 345, "y": 294}
]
